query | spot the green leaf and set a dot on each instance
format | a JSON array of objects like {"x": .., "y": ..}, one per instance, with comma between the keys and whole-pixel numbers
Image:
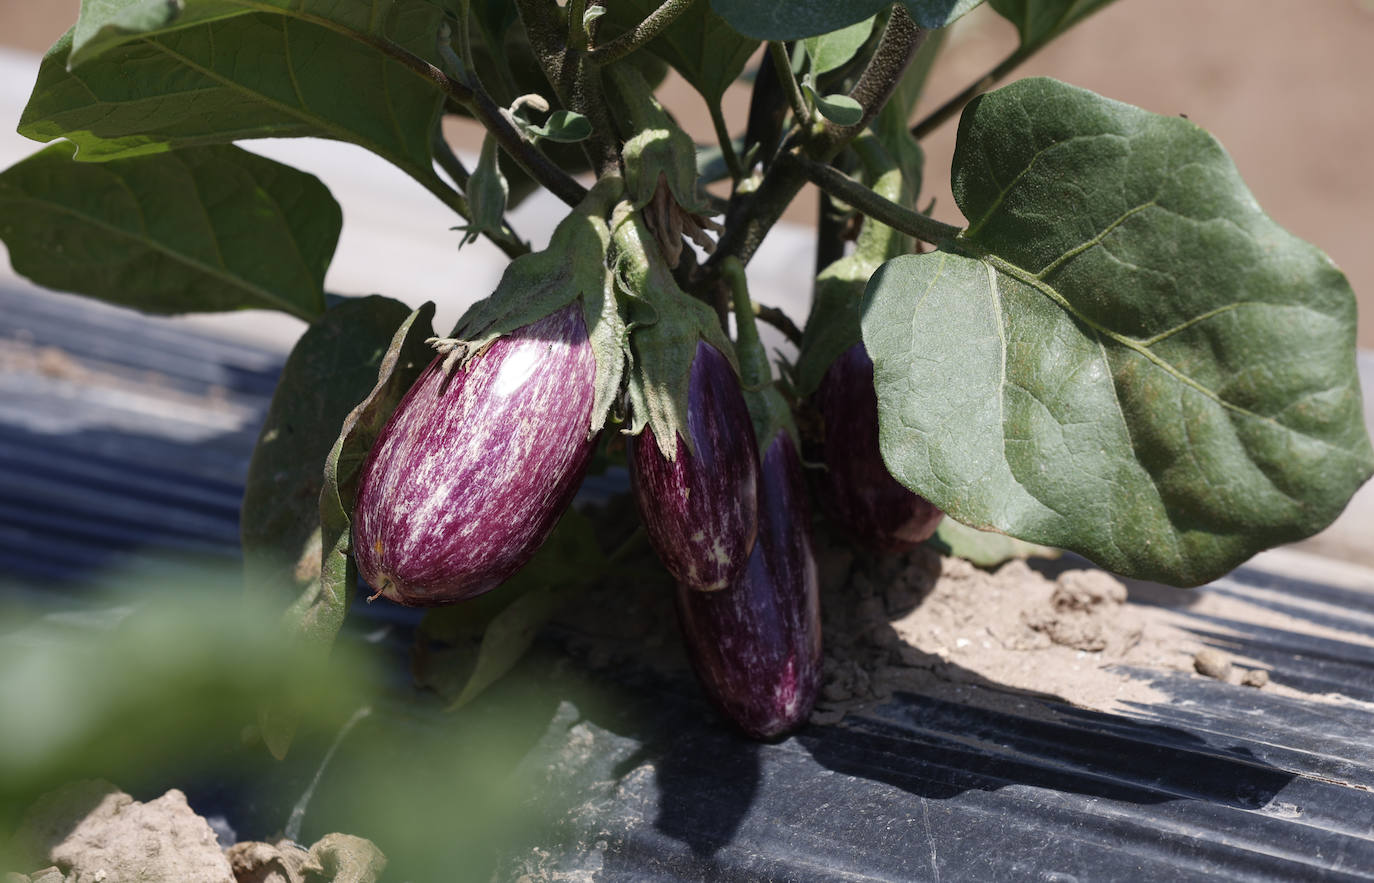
[
  {"x": 839, "y": 109},
  {"x": 197, "y": 230},
  {"x": 699, "y": 44},
  {"x": 271, "y": 74},
  {"x": 799, "y": 19},
  {"x": 835, "y": 49},
  {"x": 315, "y": 617},
  {"x": 984, "y": 548},
  {"x": 486, "y": 636},
  {"x": 563, "y": 126},
  {"x": 105, "y": 24},
  {"x": 1040, "y": 21},
  {"x": 1123, "y": 355}
]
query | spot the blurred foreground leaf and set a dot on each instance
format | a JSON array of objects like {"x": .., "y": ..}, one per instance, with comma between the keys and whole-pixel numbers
[{"x": 464, "y": 649}]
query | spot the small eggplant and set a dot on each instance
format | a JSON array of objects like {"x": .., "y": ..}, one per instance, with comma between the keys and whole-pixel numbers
[
  {"x": 474, "y": 468},
  {"x": 858, "y": 490},
  {"x": 756, "y": 646},
  {"x": 701, "y": 509}
]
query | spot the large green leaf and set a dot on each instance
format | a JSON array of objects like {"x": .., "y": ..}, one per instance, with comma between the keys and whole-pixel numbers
[
  {"x": 269, "y": 74},
  {"x": 1039, "y": 21},
  {"x": 798, "y": 19},
  {"x": 104, "y": 24},
  {"x": 699, "y": 44},
  {"x": 1122, "y": 355},
  {"x": 196, "y": 230}
]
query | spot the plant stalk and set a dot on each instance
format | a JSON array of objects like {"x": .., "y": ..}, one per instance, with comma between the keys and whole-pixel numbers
[
  {"x": 752, "y": 215},
  {"x": 783, "y": 66},
  {"x": 881, "y": 209},
  {"x": 727, "y": 145},
  {"x": 937, "y": 117},
  {"x": 653, "y": 24}
]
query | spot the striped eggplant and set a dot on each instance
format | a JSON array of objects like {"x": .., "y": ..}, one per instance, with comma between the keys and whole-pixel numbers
[
  {"x": 756, "y": 645},
  {"x": 475, "y": 467},
  {"x": 859, "y": 492},
  {"x": 701, "y": 509}
]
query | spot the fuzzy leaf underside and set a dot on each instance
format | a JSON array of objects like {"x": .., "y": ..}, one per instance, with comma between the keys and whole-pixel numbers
[
  {"x": 699, "y": 44},
  {"x": 1122, "y": 355},
  {"x": 799, "y": 19},
  {"x": 255, "y": 74},
  {"x": 318, "y": 613},
  {"x": 198, "y": 230},
  {"x": 665, "y": 325}
]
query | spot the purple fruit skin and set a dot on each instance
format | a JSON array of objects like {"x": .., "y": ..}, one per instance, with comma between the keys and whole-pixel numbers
[
  {"x": 756, "y": 646},
  {"x": 468, "y": 479},
  {"x": 861, "y": 495},
  {"x": 701, "y": 510}
]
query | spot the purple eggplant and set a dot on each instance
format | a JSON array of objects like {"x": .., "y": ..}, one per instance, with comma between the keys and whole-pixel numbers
[
  {"x": 701, "y": 509},
  {"x": 857, "y": 488},
  {"x": 473, "y": 470},
  {"x": 756, "y": 646}
]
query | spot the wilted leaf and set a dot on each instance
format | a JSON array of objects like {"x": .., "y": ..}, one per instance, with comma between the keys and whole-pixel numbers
[
  {"x": 196, "y": 230},
  {"x": 1123, "y": 355}
]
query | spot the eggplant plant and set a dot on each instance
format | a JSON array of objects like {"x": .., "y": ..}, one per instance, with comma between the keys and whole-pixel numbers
[{"x": 1118, "y": 353}]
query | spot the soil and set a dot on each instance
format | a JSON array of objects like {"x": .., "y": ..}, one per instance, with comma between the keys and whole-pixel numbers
[
  {"x": 92, "y": 832},
  {"x": 940, "y": 626},
  {"x": 996, "y": 638}
]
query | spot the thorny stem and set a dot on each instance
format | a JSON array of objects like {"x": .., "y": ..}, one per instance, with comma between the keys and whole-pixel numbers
[
  {"x": 727, "y": 145},
  {"x": 783, "y": 66},
  {"x": 752, "y": 215},
  {"x": 841, "y": 186},
  {"x": 937, "y": 117},
  {"x": 652, "y": 25}
]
